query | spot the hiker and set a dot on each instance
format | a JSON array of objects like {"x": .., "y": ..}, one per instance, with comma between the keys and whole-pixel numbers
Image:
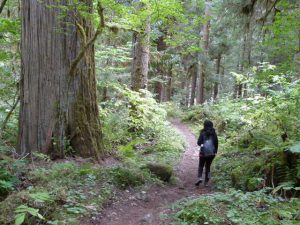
[{"x": 208, "y": 142}]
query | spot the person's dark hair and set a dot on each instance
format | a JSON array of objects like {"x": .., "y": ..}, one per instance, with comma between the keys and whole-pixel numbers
[{"x": 208, "y": 127}]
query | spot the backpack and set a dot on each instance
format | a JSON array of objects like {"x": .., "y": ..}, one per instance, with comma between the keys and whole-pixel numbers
[{"x": 208, "y": 148}]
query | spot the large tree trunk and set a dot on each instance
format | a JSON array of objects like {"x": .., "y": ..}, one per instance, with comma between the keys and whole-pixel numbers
[
  {"x": 140, "y": 64},
  {"x": 57, "y": 111}
]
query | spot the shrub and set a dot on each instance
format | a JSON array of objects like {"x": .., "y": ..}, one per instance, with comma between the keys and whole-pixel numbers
[{"x": 236, "y": 207}]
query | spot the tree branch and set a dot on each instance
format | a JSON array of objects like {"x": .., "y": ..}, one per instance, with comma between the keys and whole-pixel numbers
[
  {"x": 90, "y": 42},
  {"x": 2, "y": 5},
  {"x": 264, "y": 17},
  {"x": 81, "y": 31},
  {"x": 9, "y": 114}
]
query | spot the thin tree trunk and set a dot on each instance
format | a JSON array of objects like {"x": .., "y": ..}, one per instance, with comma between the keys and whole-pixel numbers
[
  {"x": 193, "y": 71},
  {"x": 241, "y": 66},
  {"x": 104, "y": 94},
  {"x": 140, "y": 64},
  {"x": 202, "y": 74},
  {"x": 14, "y": 106},
  {"x": 57, "y": 111},
  {"x": 187, "y": 98},
  {"x": 201, "y": 97},
  {"x": 222, "y": 78},
  {"x": 240, "y": 90},
  {"x": 248, "y": 50},
  {"x": 236, "y": 84},
  {"x": 216, "y": 84},
  {"x": 169, "y": 85},
  {"x": 159, "y": 91},
  {"x": 160, "y": 86},
  {"x": 245, "y": 92},
  {"x": 182, "y": 87}
]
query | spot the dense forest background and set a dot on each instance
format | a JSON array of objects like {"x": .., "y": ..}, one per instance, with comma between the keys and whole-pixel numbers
[{"x": 88, "y": 89}]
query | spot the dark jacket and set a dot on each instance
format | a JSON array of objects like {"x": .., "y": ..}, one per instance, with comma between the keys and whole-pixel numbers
[{"x": 204, "y": 134}]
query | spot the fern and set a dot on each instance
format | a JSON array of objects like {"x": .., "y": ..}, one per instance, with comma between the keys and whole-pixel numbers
[{"x": 24, "y": 210}]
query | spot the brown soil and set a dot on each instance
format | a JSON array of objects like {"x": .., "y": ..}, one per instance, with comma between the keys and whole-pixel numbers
[{"x": 147, "y": 207}]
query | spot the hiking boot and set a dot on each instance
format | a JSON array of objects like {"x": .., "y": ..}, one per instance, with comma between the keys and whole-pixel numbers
[
  {"x": 198, "y": 182},
  {"x": 206, "y": 184}
]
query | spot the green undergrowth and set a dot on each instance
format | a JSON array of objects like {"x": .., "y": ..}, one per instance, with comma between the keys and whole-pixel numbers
[
  {"x": 136, "y": 132},
  {"x": 63, "y": 193},
  {"x": 252, "y": 153},
  {"x": 259, "y": 149},
  {"x": 236, "y": 207},
  {"x": 135, "y": 126}
]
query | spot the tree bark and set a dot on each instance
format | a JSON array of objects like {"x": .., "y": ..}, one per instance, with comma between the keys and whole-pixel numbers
[
  {"x": 57, "y": 111},
  {"x": 182, "y": 87},
  {"x": 216, "y": 84},
  {"x": 140, "y": 64},
  {"x": 202, "y": 73},
  {"x": 194, "y": 74},
  {"x": 187, "y": 94},
  {"x": 169, "y": 89},
  {"x": 159, "y": 89}
]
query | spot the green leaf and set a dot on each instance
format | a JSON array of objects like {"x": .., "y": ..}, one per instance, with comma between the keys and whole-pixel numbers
[
  {"x": 41, "y": 196},
  {"x": 33, "y": 211},
  {"x": 21, "y": 209},
  {"x": 19, "y": 218}
]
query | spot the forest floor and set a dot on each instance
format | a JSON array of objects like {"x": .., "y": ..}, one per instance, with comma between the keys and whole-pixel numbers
[{"x": 150, "y": 205}]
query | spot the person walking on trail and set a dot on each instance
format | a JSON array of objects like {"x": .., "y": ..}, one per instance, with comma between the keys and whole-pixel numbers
[{"x": 208, "y": 142}]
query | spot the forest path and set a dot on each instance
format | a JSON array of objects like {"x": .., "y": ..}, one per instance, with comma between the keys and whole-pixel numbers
[{"x": 145, "y": 207}]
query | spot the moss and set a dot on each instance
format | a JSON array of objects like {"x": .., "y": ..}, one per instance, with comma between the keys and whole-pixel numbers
[
  {"x": 124, "y": 177},
  {"x": 8, "y": 206},
  {"x": 254, "y": 184},
  {"x": 236, "y": 176},
  {"x": 164, "y": 172}
]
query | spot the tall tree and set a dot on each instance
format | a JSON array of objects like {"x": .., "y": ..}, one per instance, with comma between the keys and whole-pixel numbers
[
  {"x": 141, "y": 54},
  {"x": 216, "y": 84},
  {"x": 202, "y": 69},
  {"x": 194, "y": 74},
  {"x": 58, "y": 87}
]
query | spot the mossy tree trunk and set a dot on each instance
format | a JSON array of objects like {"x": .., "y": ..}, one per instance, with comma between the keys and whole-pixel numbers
[{"x": 58, "y": 112}]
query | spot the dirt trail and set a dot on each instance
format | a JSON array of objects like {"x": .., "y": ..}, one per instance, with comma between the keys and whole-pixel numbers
[{"x": 146, "y": 207}]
